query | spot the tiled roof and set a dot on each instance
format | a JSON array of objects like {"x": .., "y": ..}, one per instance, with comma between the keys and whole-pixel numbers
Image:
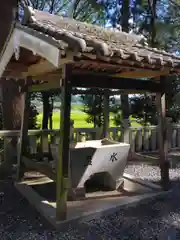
[{"x": 105, "y": 44}]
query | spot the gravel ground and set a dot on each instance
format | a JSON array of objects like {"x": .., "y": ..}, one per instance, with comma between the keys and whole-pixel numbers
[
  {"x": 144, "y": 171},
  {"x": 157, "y": 219},
  {"x": 151, "y": 173}
]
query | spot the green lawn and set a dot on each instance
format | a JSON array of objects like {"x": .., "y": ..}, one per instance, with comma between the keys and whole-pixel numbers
[{"x": 79, "y": 120}]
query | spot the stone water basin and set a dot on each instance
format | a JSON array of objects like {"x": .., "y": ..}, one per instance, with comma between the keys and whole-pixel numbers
[{"x": 97, "y": 160}]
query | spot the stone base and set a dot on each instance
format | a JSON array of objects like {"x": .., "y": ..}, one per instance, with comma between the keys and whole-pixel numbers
[
  {"x": 96, "y": 204},
  {"x": 76, "y": 194}
]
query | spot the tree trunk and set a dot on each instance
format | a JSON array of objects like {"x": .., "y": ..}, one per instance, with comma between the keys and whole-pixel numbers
[
  {"x": 152, "y": 6},
  {"x": 12, "y": 105},
  {"x": 50, "y": 121},
  {"x": 46, "y": 110},
  {"x": 125, "y": 15},
  {"x": 12, "y": 101}
]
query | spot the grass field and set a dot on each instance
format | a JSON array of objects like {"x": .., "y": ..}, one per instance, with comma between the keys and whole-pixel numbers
[{"x": 79, "y": 120}]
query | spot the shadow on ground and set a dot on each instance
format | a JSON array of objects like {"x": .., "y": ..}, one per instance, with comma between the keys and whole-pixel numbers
[{"x": 150, "y": 220}]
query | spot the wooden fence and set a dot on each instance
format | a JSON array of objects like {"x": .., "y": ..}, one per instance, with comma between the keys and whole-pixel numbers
[{"x": 142, "y": 139}]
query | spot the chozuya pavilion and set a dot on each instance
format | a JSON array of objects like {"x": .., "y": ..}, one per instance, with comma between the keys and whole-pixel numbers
[{"x": 65, "y": 53}]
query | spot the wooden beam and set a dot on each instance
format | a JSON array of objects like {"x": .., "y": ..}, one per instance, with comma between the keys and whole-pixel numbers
[
  {"x": 37, "y": 69},
  {"x": 41, "y": 167},
  {"x": 52, "y": 80},
  {"x": 44, "y": 68},
  {"x": 143, "y": 73},
  {"x": 91, "y": 80},
  {"x": 163, "y": 139},
  {"x": 63, "y": 159},
  {"x": 54, "y": 86},
  {"x": 14, "y": 69},
  {"x": 23, "y": 133}
]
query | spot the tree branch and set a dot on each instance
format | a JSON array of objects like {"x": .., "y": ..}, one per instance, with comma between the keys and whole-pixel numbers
[{"x": 174, "y": 3}]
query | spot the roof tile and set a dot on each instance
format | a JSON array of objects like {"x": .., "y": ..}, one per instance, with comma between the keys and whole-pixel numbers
[{"x": 83, "y": 37}]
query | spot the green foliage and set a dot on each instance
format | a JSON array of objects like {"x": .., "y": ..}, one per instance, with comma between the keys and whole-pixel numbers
[
  {"x": 117, "y": 119},
  {"x": 82, "y": 10},
  {"x": 87, "y": 10},
  {"x": 33, "y": 114},
  {"x": 143, "y": 109},
  {"x": 158, "y": 21},
  {"x": 173, "y": 110},
  {"x": 93, "y": 107},
  {"x": 33, "y": 118}
]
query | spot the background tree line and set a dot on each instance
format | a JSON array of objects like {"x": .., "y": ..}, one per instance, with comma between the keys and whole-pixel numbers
[{"x": 157, "y": 20}]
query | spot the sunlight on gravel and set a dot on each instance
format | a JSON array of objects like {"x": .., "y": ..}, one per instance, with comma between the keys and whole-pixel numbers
[{"x": 150, "y": 172}]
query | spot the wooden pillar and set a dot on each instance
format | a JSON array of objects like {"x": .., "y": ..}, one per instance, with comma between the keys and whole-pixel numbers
[
  {"x": 163, "y": 140},
  {"x": 22, "y": 149},
  {"x": 106, "y": 114},
  {"x": 63, "y": 159}
]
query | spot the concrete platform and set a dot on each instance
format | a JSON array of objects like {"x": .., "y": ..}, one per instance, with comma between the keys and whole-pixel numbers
[{"x": 95, "y": 204}]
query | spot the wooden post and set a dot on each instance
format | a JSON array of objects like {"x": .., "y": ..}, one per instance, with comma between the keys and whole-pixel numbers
[
  {"x": 22, "y": 149},
  {"x": 163, "y": 140},
  {"x": 63, "y": 159},
  {"x": 106, "y": 114}
]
